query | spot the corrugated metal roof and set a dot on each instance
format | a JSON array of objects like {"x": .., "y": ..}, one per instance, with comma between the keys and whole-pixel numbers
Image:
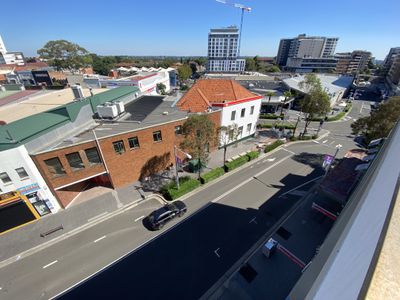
[{"x": 19, "y": 132}]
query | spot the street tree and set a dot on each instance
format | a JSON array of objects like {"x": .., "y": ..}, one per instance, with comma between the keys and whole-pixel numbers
[
  {"x": 102, "y": 64},
  {"x": 250, "y": 64},
  {"x": 184, "y": 72},
  {"x": 256, "y": 63},
  {"x": 199, "y": 134},
  {"x": 380, "y": 122},
  {"x": 161, "y": 88},
  {"x": 228, "y": 135},
  {"x": 65, "y": 55},
  {"x": 273, "y": 69},
  {"x": 201, "y": 61},
  {"x": 287, "y": 95},
  {"x": 316, "y": 100}
]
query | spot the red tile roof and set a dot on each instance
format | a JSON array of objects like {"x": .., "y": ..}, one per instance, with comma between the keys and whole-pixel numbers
[{"x": 214, "y": 92}]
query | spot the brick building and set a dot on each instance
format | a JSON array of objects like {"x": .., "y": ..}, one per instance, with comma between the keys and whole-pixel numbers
[{"x": 115, "y": 153}]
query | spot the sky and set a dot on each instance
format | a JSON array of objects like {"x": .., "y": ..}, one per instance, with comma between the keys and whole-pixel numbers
[{"x": 180, "y": 28}]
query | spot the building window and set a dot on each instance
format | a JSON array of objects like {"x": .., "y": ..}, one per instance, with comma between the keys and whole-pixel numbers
[
  {"x": 133, "y": 142},
  {"x": 240, "y": 131},
  {"x": 55, "y": 167},
  {"x": 157, "y": 136},
  {"x": 252, "y": 110},
  {"x": 233, "y": 115},
  {"x": 75, "y": 161},
  {"x": 249, "y": 128},
  {"x": 119, "y": 147},
  {"x": 93, "y": 156},
  {"x": 178, "y": 130},
  {"x": 21, "y": 173},
  {"x": 243, "y": 112},
  {"x": 5, "y": 178}
]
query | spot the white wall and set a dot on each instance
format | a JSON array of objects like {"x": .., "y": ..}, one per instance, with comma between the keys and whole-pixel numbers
[
  {"x": 16, "y": 158},
  {"x": 242, "y": 121}
]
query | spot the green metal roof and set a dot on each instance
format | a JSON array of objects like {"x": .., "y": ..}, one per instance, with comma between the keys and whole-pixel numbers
[{"x": 24, "y": 130}]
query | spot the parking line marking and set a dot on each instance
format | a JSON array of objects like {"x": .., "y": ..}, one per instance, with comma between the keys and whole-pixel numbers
[
  {"x": 48, "y": 265},
  {"x": 315, "y": 141},
  {"x": 216, "y": 252},
  {"x": 271, "y": 159},
  {"x": 137, "y": 219},
  {"x": 253, "y": 220},
  {"x": 288, "y": 151},
  {"x": 324, "y": 141},
  {"x": 291, "y": 256},
  {"x": 99, "y": 239}
]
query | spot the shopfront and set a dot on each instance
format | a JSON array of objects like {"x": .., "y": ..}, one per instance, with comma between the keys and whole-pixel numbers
[{"x": 37, "y": 198}]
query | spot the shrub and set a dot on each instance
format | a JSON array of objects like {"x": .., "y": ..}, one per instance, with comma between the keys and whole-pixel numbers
[
  {"x": 271, "y": 116},
  {"x": 213, "y": 174},
  {"x": 274, "y": 145},
  {"x": 286, "y": 126},
  {"x": 337, "y": 117},
  {"x": 253, "y": 155},
  {"x": 236, "y": 163},
  {"x": 170, "y": 191}
]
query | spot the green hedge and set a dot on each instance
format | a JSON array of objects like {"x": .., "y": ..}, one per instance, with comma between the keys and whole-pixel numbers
[
  {"x": 286, "y": 126},
  {"x": 253, "y": 155},
  {"x": 274, "y": 145},
  {"x": 271, "y": 116},
  {"x": 303, "y": 138},
  {"x": 170, "y": 191},
  {"x": 213, "y": 174},
  {"x": 337, "y": 117},
  {"x": 236, "y": 163}
]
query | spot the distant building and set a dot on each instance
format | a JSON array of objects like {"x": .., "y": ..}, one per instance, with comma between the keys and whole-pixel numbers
[
  {"x": 8, "y": 58},
  {"x": 223, "y": 51},
  {"x": 387, "y": 63},
  {"x": 304, "y": 46},
  {"x": 311, "y": 64},
  {"x": 391, "y": 71},
  {"x": 352, "y": 62}
]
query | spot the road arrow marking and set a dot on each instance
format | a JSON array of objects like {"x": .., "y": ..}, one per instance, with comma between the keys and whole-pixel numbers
[
  {"x": 99, "y": 239},
  {"x": 48, "y": 265},
  {"x": 216, "y": 253}
]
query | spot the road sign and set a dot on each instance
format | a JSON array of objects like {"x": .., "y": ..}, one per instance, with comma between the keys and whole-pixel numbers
[{"x": 328, "y": 159}]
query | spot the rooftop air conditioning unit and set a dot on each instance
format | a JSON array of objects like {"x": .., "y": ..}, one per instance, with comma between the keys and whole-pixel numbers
[
  {"x": 120, "y": 106},
  {"x": 107, "y": 111},
  {"x": 78, "y": 92}
]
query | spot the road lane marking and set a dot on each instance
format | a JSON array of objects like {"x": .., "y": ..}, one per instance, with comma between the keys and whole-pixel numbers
[
  {"x": 271, "y": 159},
  {"x": 253, "y": 220},
  {"x": 99, "y": 239},
  {"x": 138, "y": 219},
  {"x": 324, "y": 141},
  {"x": 216, "y": 252},
  {"x": 48, "y": 265},
  {"x": 315, "y": 141},
  {"x": 249, "y": 179},
  {"x": 331, "y": 142},
  {"x": 297, "y": 187},
  {"x": 98, "y": 216},
  {"x": 284, "y": 149}
]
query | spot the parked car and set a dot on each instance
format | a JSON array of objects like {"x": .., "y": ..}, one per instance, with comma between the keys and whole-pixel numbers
[{"x": 158, "y": 218}]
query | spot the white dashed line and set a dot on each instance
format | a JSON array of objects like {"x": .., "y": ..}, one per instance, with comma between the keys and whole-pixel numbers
[
  {"x": 315, "y": 141},
  {"x": 288, "y": 151},
  {"x": 48, "y": 265},
  {"x": 138, "y": 219},
  {"x": 324, "y": 141},
  {"x": 99, "y": 239},
  {"x": 271, "y": 159}
]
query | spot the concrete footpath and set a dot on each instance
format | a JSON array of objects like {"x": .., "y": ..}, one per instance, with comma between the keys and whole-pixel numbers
[{"x": 27, "y": 239}]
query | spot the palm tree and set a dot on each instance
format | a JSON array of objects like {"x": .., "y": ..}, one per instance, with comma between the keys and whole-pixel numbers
[
  {"x": 270, "y": 94},
  {"x": 287, "y": 95}
]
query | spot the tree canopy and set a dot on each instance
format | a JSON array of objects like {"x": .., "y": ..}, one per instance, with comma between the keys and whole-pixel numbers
[
  {"x": 316, "y": 100},
  {"x": 184, "y": 72},
  {"x": 380, "y": 122},
  {"x": 65, "y": 55},
  {"x": 103, "y": 64},
  {"x": 200, "y": 133}
]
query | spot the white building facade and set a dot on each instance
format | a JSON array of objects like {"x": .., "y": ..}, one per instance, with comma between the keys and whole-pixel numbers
[
  {"x": 241, "y": 116},
  {"x": 18, "y": 172},
  {"x": 223, "y": 51},
  {"x": 10, "y": 57}
]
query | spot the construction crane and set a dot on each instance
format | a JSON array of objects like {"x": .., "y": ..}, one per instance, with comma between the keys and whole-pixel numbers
[{"x": 243, "y": 8}]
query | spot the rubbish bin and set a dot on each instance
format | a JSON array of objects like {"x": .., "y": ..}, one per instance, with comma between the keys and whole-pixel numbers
[{"x": 269, "y": 247}]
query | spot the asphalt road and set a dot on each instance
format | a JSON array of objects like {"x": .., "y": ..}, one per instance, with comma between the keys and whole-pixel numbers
[{"x": 190, "y": 254}]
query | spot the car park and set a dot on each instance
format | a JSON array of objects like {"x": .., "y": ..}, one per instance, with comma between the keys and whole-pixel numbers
[{"x": 158, "y": 218}]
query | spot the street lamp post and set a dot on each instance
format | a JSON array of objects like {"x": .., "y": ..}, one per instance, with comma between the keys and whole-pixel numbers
[
  {"x": 338, "y": 147},
  {"x": 176, "y": 164}
]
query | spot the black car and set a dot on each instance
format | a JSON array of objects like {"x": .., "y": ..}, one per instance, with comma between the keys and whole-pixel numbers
[{"x": 158, "y": 218}]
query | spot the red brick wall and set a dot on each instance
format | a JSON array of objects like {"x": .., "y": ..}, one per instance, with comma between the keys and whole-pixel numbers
[{"x": 124, "y": 168}]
